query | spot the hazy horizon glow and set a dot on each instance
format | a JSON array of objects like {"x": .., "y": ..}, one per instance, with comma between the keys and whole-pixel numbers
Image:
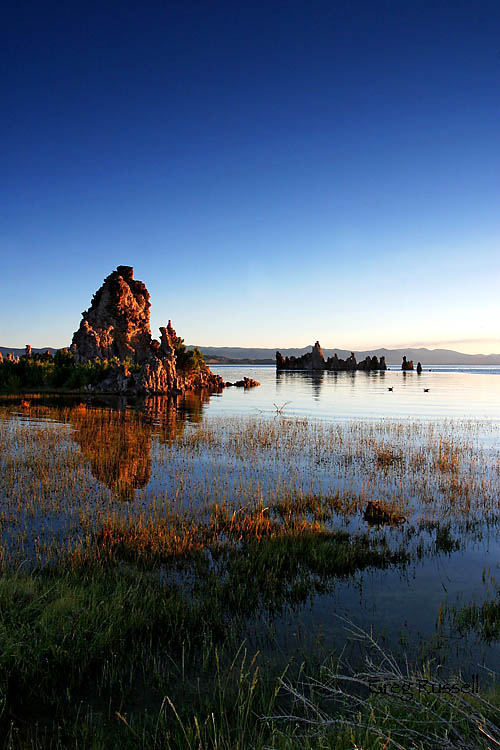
[
  {"x": 464, "y": 347},
  {"x": 276, "y": 174}
]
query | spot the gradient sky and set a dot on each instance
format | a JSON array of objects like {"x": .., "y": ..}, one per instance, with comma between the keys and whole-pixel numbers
[{"x": 276, "y": 172}]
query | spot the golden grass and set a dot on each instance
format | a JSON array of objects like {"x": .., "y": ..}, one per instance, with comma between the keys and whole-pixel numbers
[
  {"x": 152, "y": 543},
  {"x": 69, "y": 474}
]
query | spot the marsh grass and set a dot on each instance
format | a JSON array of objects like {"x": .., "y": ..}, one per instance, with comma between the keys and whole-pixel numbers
[
  {"x": 478, "y": 618},
  {"x": 122, "y": 690},
  {"x": 388, "y": 704},
  {"x": 67, "y": 472},
  {"x": 137, "y": 549},
  {"x": 102, "y": 633},
  {"x": 387, "y": 457}
]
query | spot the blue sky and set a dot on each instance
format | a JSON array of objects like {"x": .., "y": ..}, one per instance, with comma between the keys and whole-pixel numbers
[{"x": 276, "y": 172}]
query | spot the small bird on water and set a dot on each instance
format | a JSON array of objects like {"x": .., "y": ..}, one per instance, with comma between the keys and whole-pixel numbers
[
  {"x": 426, "y": 390},
  {"x": 390, "y": 389}
]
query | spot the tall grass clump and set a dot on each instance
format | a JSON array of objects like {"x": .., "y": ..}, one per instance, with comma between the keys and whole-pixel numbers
[{"x": 386, "y": 705}]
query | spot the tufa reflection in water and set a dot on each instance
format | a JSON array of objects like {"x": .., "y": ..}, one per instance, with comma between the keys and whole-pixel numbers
[
  {"x": 115, "y": 436},
  {"x": 118, "y": 446},
  {"x": 118, "y": 442}
]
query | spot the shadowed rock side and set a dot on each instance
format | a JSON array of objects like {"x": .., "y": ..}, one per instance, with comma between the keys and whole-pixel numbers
[
  {"x": 315, "y": 360},
  {"x": 245, "y": 383},
  {"x": 406, "y": 364},
  {"x": 116, "y": 326}
]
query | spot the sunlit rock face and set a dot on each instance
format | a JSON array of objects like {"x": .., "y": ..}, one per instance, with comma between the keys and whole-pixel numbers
[
  {"x": 159, "y": 376},
  {"x": 116, "y": 325},
  {"x": 117, "y": 321}
]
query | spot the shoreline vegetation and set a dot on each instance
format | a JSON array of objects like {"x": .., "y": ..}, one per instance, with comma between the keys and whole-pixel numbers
[
  {"x": 136, "y": 614},
  {"x": 61, "y": 373}
]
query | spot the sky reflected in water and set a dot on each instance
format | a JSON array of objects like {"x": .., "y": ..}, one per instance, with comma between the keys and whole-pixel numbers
[{"x": 472, "y": 393}]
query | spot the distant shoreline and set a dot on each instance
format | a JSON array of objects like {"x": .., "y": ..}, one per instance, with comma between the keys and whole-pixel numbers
[
  {"x": 393, "y": 357},
  {"x": 439, "y": 367},
  {"x": 232, "y": 355}
]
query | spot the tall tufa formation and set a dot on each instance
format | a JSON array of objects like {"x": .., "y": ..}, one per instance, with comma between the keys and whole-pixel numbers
[
  {"x": 117, "y": 321},
  {"x": 116, "y": 325}
]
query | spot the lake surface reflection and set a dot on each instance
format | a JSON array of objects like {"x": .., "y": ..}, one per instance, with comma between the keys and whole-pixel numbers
[
  {"x": 71, "y": 466},
  {"x": 117, "y": 441},
  {"x": 472, "y": 393}
]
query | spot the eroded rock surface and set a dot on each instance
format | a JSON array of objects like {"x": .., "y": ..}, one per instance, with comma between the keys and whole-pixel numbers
[
  {"x": 116, "y": 325},
  {"x": 117, "y": 321},
  {"x": 315, "y": 360}
]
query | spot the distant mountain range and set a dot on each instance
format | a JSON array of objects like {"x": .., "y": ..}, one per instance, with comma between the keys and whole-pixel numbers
[{"x": 258, "y": 356}]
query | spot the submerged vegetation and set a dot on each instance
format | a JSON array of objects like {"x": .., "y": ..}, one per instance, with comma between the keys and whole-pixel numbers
[{"x": 150, "y": 563}]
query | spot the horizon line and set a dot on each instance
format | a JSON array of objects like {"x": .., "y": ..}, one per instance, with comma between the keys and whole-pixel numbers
[{"x": 283, "y": 348}]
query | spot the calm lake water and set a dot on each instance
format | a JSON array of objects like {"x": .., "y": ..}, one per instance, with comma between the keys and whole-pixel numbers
[
  {"x": 81, "y": 461},
  {"x": 473, "y": 393}
]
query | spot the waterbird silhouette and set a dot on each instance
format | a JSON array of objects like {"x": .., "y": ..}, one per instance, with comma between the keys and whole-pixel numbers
[
  {"x": 390, "y": 389},
  {"x": 426, "y": 390}
]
